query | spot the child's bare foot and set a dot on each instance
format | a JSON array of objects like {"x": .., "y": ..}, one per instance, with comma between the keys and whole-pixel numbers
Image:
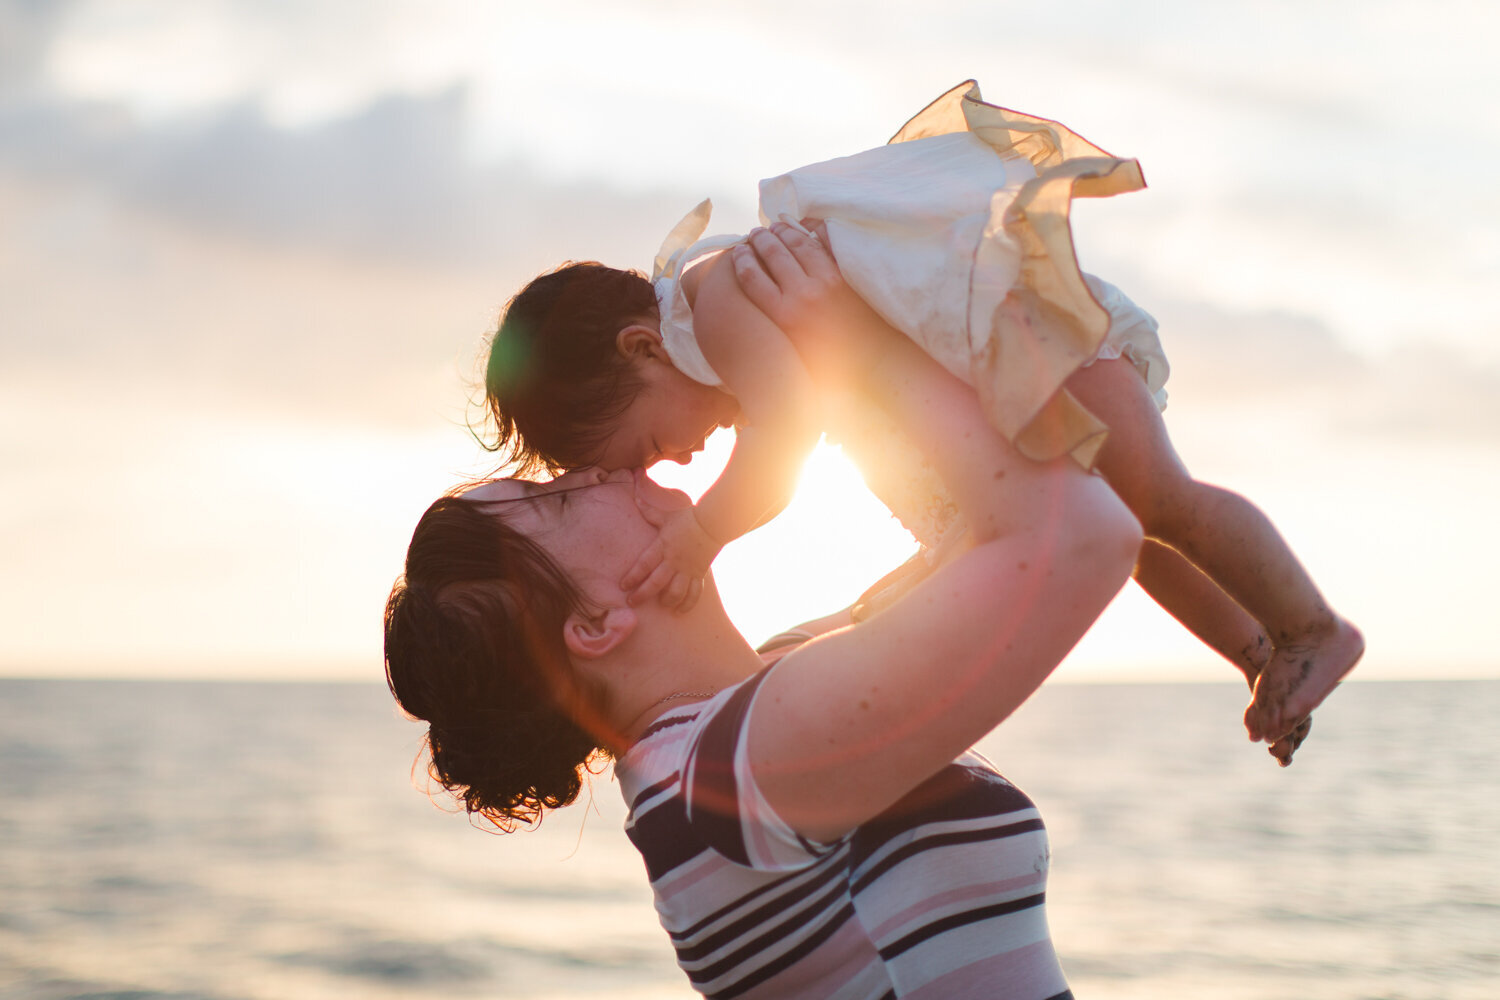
[
  {"x": 1283, "y": 748},
  {"x": 1298, "y": 677},
  {"x": 1251, "y": 661}
]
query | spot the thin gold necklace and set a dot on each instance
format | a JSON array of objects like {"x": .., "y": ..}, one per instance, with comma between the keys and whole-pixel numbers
[
  {"x": 674, "y": 696},
  {"x": 680, "y": 694}
]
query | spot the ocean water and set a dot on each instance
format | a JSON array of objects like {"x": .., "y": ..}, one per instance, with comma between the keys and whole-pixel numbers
[{"x": 166, "y": 841}]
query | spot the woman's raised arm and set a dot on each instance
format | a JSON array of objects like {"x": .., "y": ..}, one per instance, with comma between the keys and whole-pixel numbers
[{"x": 848, "y": 724}]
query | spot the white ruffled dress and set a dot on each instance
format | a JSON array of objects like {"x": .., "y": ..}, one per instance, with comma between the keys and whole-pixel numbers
[{"x": 957, "y": 233}]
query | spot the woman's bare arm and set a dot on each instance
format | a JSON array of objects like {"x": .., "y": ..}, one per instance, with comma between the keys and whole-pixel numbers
[{"x": 845, "y": 726}]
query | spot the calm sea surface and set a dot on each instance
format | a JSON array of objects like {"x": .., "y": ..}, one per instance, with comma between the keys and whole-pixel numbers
[{"x": 166, "y": 841}]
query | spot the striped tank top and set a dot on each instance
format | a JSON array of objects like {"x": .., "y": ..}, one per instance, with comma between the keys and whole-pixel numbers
[{"x": 940, "y": 896}]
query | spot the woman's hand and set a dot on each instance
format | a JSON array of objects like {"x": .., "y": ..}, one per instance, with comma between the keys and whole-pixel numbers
[{"x": 794, "y": 280}]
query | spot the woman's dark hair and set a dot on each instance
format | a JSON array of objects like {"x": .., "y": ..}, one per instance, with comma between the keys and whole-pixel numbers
[
  {"x": 474, "y": 646},
  {"x": 555, "y": 381}
]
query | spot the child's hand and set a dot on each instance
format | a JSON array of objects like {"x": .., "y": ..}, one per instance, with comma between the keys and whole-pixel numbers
[{"x": 672, "y": 567}]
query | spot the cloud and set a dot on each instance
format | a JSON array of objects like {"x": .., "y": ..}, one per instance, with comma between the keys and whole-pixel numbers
[
  {"x": 1273, "y": 362},
  {"x": 1430, "y": 395},
  {"x": 391, "y": 181},
  {"x": 28, "y": 28},
  {"x": 351, "y": 267}
]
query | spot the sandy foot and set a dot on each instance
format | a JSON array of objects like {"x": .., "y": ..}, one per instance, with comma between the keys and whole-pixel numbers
[
  {"x": 1297, "y": 679},
  {"x": 1251, "y": 661},
  {"x": 1283, "y": 748}
]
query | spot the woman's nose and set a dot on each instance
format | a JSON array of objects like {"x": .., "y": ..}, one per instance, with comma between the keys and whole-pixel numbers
[{"x": 686, "y": 457}]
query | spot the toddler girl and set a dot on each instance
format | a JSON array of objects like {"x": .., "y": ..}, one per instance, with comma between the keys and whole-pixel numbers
[{"x": 957, "y": 234}]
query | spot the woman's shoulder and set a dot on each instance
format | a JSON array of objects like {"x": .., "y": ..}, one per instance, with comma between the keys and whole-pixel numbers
[{"x": 663, "y": 751}]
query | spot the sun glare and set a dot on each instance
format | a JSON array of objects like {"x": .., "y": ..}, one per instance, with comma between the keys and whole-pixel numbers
[{"x": 833, "y": 540}]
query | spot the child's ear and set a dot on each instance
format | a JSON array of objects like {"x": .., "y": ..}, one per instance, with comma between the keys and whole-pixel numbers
[
  {"x": 640, "y": 341},
  {"x": 591, "y": 638}
]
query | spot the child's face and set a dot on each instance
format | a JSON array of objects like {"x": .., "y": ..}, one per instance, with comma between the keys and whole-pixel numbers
[{"x": 670, "y": 419}]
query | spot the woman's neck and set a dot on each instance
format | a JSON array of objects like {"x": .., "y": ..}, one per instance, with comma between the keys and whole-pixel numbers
[{"x": 676, "y": 658}]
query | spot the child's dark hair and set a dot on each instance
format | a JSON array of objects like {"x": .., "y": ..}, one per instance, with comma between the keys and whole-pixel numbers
[
  {"x": 555, "y": 381},
  {"x": 474, "y": 645}
]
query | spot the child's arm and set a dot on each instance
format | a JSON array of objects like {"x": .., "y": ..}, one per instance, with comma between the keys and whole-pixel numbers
[
  {"x": 780, "y": 418},
  {"x": 779, "y": 426}
]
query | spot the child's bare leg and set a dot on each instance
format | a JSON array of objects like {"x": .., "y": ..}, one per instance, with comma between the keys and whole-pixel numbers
[
  {"x": 1212, "y": 615},
  {"x": 1206, "y": 611},
  {"x": 1231, "y": 541}
]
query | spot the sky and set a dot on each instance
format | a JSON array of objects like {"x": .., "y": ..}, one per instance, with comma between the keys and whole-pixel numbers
[{"x": 249, "y": 252}]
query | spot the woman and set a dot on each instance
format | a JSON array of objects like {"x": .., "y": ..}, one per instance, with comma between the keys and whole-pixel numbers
[{"x": 818, "y": 828}]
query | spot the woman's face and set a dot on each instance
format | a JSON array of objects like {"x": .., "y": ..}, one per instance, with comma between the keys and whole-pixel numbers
[{"x": 588, "y": 520}]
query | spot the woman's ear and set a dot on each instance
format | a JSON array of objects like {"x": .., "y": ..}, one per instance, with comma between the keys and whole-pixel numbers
[
  {"x": 590, "y": 638},
  {"x": 640, "y": 341}
]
